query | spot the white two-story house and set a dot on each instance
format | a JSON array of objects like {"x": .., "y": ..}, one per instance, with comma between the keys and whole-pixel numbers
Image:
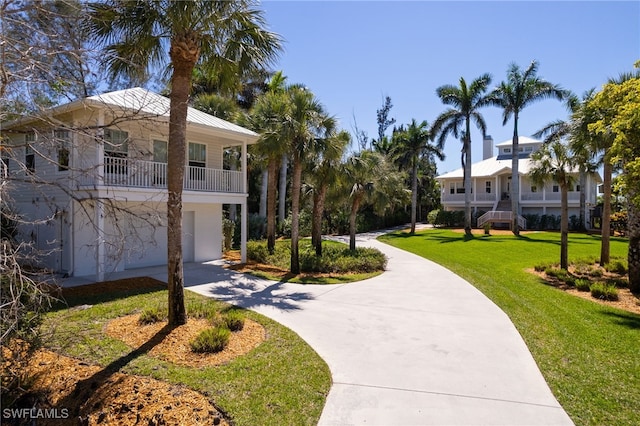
[
  {"x": 491, "y": 184},
  {"x": 90, "y": 177}
]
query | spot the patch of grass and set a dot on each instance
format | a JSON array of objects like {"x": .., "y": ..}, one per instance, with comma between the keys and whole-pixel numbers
[
  {"x": 153, "y": 315},
  {"x": 577, "y": 344},
  {"x": 234, "y": 320},
  {"x": 583, "y": 285},
  {"x": 282, "y": 381},
  {"x": 337, "y": 264},
  {"x": 211, "y": 340},
  {"x": 604, "y": 291},
  {"x": 618, "y": 266}
]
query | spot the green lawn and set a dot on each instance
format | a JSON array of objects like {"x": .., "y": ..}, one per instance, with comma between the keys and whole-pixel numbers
[
  {"x": 281, "y": 382},
  {"x": 588, "y": 353}
]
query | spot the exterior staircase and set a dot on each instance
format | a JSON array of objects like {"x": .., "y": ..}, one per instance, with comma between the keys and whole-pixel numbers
[{"x": 501, "y": 214}]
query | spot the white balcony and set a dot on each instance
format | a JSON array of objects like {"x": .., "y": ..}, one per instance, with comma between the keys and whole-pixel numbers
[{"x": 125, "y": 172}]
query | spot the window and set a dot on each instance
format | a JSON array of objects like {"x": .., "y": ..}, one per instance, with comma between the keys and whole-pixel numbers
[
  {"x": 487, "y": 187},
  {"x": 507, "y": 150},
  {"x": 528, "y": 149},
  {"x": 29, "y": 154},
  {"x": 197, "y": 160},
  {"x": 460, "y": 189},
  {"x": 452, "y": 188},
  {"x": 63, "y": 143},
  {"x": 556, "y": 188},
  {"x": 577, "y": 188},
  {"x": 115, "y": 151},
  {"x": 160, "y": 157}
]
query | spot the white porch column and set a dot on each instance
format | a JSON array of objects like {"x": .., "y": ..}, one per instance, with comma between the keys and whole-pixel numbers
[
  {"x": 243, "y": 231},
  {"x": 244, "y": 219},
  {"x": 99, "y": 225},
  {"x": 99, "y": 205}
]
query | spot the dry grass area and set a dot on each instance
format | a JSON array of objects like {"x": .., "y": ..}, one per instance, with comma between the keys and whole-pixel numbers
[{"x": 99, "y": 395}]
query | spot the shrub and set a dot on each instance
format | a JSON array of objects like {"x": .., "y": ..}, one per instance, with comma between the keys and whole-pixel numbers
[
  {"x": 211, "y": 340},
  {"x": 619, "y": 282},
  {"x": 604, "y": 291},
  {"x": 257, "y": 251},
  {"x": 201, "y": 309},
  {"x": 595, "y": 272},
  {"x": 228, "y": 229},
  {"x": 432, "y": 217},
  {"x": 583, "y": 285},
  {"x": 234, "y": 320},
  {"x": 153, "y": 315},
  {"x": 616, "y": 266},
  {"x": 541, "y": 267}
]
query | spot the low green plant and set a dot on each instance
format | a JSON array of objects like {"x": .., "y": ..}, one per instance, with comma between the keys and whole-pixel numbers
[
  {"x": 617, "y": 266},
  {"x": 583, "y": 285},
  {"x": 541, "y": 267},
  {"x": 211, "y": 340},
  {"x": 595, "y": 272},
  {"x": 234, "y": 320},
  {"x": 604, "y": 291},
  {"x": 153, "y": 315}
]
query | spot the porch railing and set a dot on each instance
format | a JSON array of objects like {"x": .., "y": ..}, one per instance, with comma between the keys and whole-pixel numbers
[
  {"x": 150, "y": 174},
  {"x": 500, "y": 217}
]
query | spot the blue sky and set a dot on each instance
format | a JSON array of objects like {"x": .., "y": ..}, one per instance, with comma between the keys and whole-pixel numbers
[{"x": 353, "y": 53}]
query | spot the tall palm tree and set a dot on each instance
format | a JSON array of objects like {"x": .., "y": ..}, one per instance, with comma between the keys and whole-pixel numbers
[
  {"x": 554, "y": 162},
  {"x": 267, "y": 117},
  {"x": 521, "y": 89},
  {"x": 408, "y": 147},
  {"x": 221, "y": 37},
  {"x": 465, "y": 101},
  {"x": 324, "y": 171},
  {"x": 576, "y": 132},
  {"x": 306, "y": 126}
]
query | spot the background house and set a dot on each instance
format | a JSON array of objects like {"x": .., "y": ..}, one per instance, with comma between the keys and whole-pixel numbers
[
  {"x": 491, "y": 184},
  {"x": 90, "y": 182}
]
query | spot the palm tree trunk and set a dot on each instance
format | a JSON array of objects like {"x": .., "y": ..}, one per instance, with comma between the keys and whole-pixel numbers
[
  {"x": 633, "y": 218},
  {"x": 183, "y": 57},
  {"x": 295, "y": 212},
  {"x": 282, "y": 191},
  {"x": 318, "y": 211},
  {"x": 467, "y": 185},
  {"x": 271, "y": 205},
  {"x": 515, "y": 179},
  {"x": 606, "y": 212},
  {"x": 564, "y": 226},
  {"x": 414, "y": 194},
  {"x": 264, "y": 184},
  {"x": 583, "y": 199},
  {"x": 355, "y": 205}
]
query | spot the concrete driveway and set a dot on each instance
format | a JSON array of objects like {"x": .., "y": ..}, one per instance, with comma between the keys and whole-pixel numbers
[{"x": 416, "y": 345}]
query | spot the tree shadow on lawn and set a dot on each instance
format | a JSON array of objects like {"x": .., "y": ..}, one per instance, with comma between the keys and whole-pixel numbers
[
  {"x": 86, "y": 387},
  {"x": 102, "y": 292},
  {"x": 445, "y": 239},
  {"x": 626, "y": 319}
]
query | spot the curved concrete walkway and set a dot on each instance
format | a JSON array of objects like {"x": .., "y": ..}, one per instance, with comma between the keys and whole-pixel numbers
[{"x": 416, "y": 345}]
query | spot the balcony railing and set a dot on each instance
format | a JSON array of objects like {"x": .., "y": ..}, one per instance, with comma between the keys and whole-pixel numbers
[{"x": 150, "y": 174}]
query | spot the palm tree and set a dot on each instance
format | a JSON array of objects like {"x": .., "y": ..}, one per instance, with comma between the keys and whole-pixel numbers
[
  {"x": 554, "y": 162},
  {"x": 223, "y": 38},
  {"x": 370, "y": 178},
  {"x": 324, "y": 171},
  {"x": 521, "y": 89},
  {"x": 465, "y": 101},
  {"x": 409, "y": 146},
  {"x": 575, "y": 130},
  {"x": 305, "y": 127},
  {"x": 267, "y": 118}
]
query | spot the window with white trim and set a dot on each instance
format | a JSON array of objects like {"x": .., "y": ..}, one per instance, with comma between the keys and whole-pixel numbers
[
  {"x": 63, "y": 144},
  {"x": 197, "y": 160},
  {"x": 116, "y": 151},
  {"x": 29, "y": 153},
  {"x": 487, "y": 186}
]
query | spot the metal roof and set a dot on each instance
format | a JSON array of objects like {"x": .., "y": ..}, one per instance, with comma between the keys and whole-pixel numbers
[{"x": 139, "y": 99}]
